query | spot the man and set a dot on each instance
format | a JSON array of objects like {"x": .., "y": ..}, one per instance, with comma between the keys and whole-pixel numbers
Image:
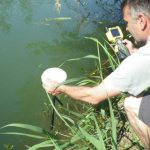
[{"x": 132, "y": 75}]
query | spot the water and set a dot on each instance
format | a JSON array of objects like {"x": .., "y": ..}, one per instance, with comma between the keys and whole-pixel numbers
[{"x": 29, "y": 45}]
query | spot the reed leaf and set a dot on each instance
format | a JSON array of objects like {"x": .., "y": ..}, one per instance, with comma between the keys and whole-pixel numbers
[
  {"x": 104, "y": 48},
  {"x": 99, "y": 134},
  {"x": 69, "y": 119},
  {"x": 117, "y": 58},
  {"x": 25, "y": 126},
  {"x": 114, "y": 130},
  {"x": 24, "y": 134},
  {"x": 73, "y": 80},
  {"x": 44, "y": 144},
  {"x": 78, "y": 59},
  {"x": 99, "y": 59},
  {"x": 111, "y": 62},
  {"x": 59, "y": 115},
  {"x": 57, "y": 147},
  {"x": 91, "y": 139},
  {"x": 76, "y": 137},
  {"x": 86, "y": 81},
  {"x": 73, "y": 113}
]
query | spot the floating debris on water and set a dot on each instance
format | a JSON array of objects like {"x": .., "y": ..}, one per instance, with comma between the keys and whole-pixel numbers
[
  {"x": 57, "y": 19},
  {"x": 47, "y": 20}
]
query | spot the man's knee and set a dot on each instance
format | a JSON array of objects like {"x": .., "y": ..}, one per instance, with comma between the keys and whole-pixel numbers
[
  {"x": 132, "y": 104},
  {"x": 128, "y": 104}
]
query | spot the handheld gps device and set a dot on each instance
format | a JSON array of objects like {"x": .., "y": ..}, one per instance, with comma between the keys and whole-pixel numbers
[{"x": 115, "y": 36}]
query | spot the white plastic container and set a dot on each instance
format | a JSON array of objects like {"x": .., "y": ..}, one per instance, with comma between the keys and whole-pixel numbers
[{"x": 52, "y": 77}]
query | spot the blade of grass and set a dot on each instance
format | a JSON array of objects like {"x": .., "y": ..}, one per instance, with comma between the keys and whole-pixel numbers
[
  {"x": 57, "y": 147},
  {"x": 113, "y": 123},
  {"x": 76, "y": 137},
  {"x": 69, "y": 119},
  {"x": 91, "y": 139},
  {"x": 59, "y": 115},
  {"x": 113, "y": 66},
  {"x": 86, "y": 81},
  {"x": 25, "y": 126},
  {"x": 73, "y": 80},
  {"x": 78, "y": 59},
  {"x": 99, "y": 59},
  {"x": 99, "y": 133},
  {"x": 104, "y": 48},
  {"x": 41, "y": 145},
  {"x": 24, "y": 134}
]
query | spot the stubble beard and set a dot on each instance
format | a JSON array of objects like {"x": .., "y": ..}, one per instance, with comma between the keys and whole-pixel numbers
[{"x": 140, "y": 43}]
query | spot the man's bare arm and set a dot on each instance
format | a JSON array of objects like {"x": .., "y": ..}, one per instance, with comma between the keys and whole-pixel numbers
[{"x": 93, "y": 95}]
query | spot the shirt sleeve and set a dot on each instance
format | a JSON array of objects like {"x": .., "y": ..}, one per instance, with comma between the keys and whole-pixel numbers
[
  {"x": 133, "y": 74},
  {"x": 121, "y": 78}
]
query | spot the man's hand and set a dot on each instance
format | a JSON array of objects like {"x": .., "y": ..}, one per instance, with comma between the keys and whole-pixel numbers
[
  {"x": 53, "y": 88},
  {"x": 130, "y": 46}
]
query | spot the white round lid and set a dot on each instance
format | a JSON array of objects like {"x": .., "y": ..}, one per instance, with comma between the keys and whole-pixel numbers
[{"x": 53, "y": 74}]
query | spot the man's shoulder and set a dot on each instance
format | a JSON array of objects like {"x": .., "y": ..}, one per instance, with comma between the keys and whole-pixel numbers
[{"x": 133, "y": 64}]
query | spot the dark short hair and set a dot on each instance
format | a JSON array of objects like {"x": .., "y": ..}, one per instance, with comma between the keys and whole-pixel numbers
[{"x": 137, "y": 6}]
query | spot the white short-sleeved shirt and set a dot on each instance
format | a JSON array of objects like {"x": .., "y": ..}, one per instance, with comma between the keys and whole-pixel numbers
[{"x": 133, "y": 74}]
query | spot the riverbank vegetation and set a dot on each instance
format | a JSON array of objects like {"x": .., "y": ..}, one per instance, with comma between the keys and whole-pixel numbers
[{"x": 102, "y": 127}]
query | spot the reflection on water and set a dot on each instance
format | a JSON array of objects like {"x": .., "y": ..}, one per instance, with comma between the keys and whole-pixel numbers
[
  {"x": 98, "y": 10},
  {"x": 7, "y": 12},
  {"x": 29, "y": 46},
  {"x": 95, "y": 10}
]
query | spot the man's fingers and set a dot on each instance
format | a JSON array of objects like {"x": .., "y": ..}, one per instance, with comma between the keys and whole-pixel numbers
[{"x": 53, "y": 91}]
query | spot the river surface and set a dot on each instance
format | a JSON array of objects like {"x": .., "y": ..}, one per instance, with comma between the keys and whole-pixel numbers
[{"x": 31, "y": 40}]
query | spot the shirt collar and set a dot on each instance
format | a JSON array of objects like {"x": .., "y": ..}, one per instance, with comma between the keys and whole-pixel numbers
[
  {"x": 146, "y": 48},
  {"x": 148, "y": 40}
]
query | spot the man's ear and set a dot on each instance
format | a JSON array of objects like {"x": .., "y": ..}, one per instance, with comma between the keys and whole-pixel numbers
[{"x": 142, "y": 21}]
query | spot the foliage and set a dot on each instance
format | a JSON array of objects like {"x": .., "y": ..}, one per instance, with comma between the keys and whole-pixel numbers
[
  {"x": 99, "y": 127},
  {"x": 9, "y": 147}
]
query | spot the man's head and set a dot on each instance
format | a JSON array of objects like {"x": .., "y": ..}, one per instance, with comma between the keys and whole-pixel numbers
[{"x": 137, "y": 15}]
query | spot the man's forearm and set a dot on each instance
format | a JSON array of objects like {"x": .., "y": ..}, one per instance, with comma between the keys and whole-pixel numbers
[
  {"x": 93, "y": 95},
  {"x": 80, "y": 93}
]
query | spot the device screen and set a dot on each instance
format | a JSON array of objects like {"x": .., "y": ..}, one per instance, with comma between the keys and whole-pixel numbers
[{"x": 115, "y": 32}]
